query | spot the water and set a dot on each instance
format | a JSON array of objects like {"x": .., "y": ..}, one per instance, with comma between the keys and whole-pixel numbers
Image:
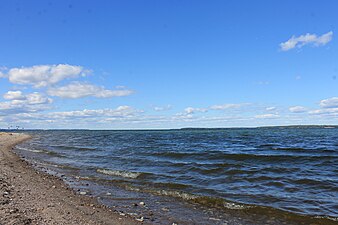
[{"x": 288, "y": 173}]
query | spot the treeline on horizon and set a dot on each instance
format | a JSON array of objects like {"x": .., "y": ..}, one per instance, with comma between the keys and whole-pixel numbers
[{"x": 187, "y": 128}]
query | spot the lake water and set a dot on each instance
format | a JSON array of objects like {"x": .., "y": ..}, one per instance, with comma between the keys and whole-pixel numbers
[{"x": 267, "y": 175}]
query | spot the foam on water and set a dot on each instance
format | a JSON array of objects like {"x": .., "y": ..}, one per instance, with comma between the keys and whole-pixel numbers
[
  {"x": 119, "y": 173},
  {"x": 30, "y": 150}
]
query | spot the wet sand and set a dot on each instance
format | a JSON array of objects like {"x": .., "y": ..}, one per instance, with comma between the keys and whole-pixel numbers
[{"x": 28, "y": 196}]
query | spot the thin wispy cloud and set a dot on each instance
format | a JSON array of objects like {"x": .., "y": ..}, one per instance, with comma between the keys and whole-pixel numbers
[
  {"x": 80, "y": 90},
  {"x": 191, "y": 110},
  {"x": 297, "y": 109},
  {"x": 162, "y": 108},
  {"x": 306, "y": 39},
  {"x": 226, "y": 106},
  {"x": 272, "y": 108},
  {"x": 267, "y": 116}
]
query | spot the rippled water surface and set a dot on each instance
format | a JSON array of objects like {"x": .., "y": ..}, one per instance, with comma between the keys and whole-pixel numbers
[{"x": 291, "y": 169}]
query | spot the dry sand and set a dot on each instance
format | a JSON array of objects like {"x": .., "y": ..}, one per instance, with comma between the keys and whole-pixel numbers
[{"x": 28, "y": 196}]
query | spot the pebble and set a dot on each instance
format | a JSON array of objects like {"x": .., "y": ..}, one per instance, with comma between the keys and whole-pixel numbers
[
  {"x": 83, "y": 193},
  {"x": 140, "y": 219},
  {"x": 108, "y": 193},
  {"x": 13, "y": 210}
]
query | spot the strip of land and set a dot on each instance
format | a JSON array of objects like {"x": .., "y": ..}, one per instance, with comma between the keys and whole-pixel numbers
[{"x": 28, "y": 196}]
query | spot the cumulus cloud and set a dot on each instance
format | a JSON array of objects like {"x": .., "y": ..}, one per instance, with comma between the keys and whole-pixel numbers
[
  {"x": 329, "y": 103},
  {"x": 267, "y": 116},
  {"x": 306, "y": 39},
  {"x": 297, "y": 109},
  {"x": 20, "y": 103},
  {"x": 43, "y": 75},
  {"x": 80, "y": 90},
  {"x": 14, "y": 95}
]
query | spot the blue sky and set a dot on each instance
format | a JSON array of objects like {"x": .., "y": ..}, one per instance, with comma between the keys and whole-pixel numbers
[{"x": 167, "y": 64}]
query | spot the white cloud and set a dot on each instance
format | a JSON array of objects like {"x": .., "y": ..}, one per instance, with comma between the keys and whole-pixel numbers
[
  {"x": 121, "y": 111},
  {"x": 329, "y": 108},
  {"x": 14, "y": 95},
  {"x": 226, "y": 106},
  {"x": 270, "y": 108},
  {"x": 191, "y": 110},
  {"x": 306, "y": 39},
  {"x": 328, "y": 112},
  {"x": 80, "y": 90},
  {"x": 297, "y": 109},
  {"x": 162, "y": 108},
  {"x": 43, "y": 75},
  {"x": 75, "y": 119},
  {"x": 20, "y": 103},
  {"x": 329, "y": 103},
  {"x": 37, "y": 98},
  {"x": 267, "y": 116}
]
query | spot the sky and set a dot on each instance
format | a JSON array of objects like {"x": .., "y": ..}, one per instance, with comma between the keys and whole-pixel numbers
[{"x": 153, "y": 64}]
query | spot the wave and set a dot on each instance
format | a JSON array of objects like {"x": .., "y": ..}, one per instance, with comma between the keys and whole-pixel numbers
[
  {"x": 203, "y": 200},
  {"x": 30, "y": 150},
  {"x": 76, "y": 148},
  {"x": 39, "y": 151},
  {"x": 120, "y": 173},
  {"x": 239, "y": 156}
]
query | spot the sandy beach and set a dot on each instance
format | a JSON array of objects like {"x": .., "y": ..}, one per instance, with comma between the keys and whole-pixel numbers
[{"x": 31, "y": 197}]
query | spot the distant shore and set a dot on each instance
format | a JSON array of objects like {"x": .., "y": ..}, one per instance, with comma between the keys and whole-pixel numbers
[{"x": 31, "y": 197}]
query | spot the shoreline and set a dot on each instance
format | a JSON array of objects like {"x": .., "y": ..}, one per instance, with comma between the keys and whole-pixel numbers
[{"x": 32, "y": 197}]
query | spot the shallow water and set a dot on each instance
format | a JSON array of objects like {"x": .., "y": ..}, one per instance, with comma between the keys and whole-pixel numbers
[{"x": 293, "y": 170}]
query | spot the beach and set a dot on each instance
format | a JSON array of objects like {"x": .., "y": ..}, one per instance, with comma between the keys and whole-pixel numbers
[{"x": 31, "y": 197}]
